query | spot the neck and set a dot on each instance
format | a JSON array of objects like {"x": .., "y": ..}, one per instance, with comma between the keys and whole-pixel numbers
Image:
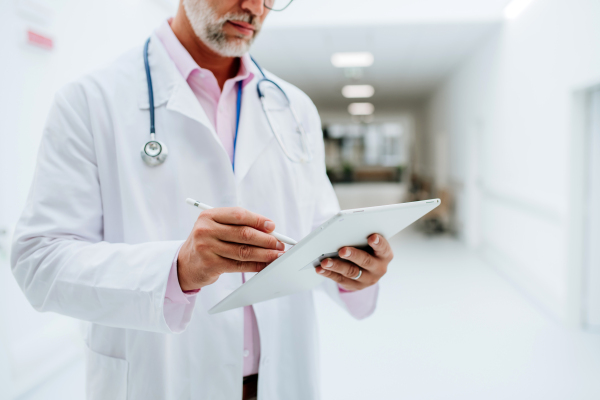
[{"x": 223, "y": 68}]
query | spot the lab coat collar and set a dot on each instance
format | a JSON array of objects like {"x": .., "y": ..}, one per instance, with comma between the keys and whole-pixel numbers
[
  {"x": 162, "y": 71},
  {"x": 171, "y": 88}
]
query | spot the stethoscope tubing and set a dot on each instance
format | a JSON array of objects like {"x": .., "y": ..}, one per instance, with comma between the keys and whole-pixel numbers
[
  {"x": 238, "y": 107},
  {"x": 150, "y": 90}
]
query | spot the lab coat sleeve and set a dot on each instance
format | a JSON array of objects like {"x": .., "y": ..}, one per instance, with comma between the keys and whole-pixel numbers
[
  {"x": 59, "y": 256},
  {"x": 359, "y": 304},
  {"x": 177, "y": 315}
]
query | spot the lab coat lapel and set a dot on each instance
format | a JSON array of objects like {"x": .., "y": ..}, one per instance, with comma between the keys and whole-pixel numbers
[
  {"x": 254, "y": 132},
  {"x": 171, "y": 88},
  {"x": 163, "y": 78},
  {"x": 184, "y": 101}
]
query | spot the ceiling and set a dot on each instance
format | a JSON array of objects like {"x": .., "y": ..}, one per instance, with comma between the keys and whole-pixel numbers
[
  {"x": 416, "y": 43},
  {"x": 360, "y": 12},
  {"x": 302, "y": 13},
  {"x": 410, "y": 58}
]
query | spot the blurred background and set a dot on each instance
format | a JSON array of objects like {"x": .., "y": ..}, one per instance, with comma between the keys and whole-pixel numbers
[{"x": 491, "y": 105}]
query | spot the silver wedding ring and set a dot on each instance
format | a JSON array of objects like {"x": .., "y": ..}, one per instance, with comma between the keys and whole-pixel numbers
[{"x": 359, "y": 274}]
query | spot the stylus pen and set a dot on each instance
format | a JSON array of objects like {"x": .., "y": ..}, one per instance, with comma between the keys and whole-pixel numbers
[{"x": 276, "y": 235}]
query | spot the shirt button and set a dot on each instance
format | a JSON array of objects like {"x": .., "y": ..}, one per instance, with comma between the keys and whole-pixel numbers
[{"x": 246, "y": 353}]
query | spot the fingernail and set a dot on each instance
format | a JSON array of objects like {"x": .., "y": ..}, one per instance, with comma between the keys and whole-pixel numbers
[
  {"x": 376, "y": 239},
  {"x": 322, "y": 271},
  {"x": 328, "y": 263},
  {"x": 280, "y": 246},
  {"x": 280, "y": 254},
  {"x": 345, "y": 253},
  {"x": 269, "y": 226}
]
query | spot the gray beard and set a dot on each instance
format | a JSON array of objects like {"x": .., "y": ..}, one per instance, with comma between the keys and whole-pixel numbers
[{"x": 209, "y": 28}]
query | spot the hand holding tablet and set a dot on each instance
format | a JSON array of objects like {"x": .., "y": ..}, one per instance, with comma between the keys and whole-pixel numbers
[
  {"x": 294, "y": 271},
  {"x": 358, "y": 268}
]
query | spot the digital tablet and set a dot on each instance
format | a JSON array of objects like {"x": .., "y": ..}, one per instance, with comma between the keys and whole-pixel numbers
[{"x": 294, "y": 270}]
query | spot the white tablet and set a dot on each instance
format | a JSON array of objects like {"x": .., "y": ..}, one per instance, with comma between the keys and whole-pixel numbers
[{"x": 294, "y": 271}]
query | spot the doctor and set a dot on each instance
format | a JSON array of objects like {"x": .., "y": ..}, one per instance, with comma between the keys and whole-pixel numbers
[{"x": 107, "y": 238}]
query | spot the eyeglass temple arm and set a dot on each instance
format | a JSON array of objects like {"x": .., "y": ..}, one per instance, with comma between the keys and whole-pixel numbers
[{"x": 279, "y": 9}]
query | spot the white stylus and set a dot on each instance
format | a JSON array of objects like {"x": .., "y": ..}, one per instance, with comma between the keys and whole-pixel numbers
[{"x": 276, "y": 235}]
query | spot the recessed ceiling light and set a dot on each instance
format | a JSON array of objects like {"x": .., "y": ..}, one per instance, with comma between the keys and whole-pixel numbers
[
  {"x": 361, "y": 108},
  {"x": 358, "y": 91},
  {"x": 352, "y": 60},
  {"x": 516, "y": 7}
]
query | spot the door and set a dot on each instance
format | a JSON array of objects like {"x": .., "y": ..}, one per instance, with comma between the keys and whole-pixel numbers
[
  {"x": 592, "y": 244},
  {"x": 471, "y": 211}
]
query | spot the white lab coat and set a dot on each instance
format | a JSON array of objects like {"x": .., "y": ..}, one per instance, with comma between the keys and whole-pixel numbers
[{"x": 100, "y": 231}]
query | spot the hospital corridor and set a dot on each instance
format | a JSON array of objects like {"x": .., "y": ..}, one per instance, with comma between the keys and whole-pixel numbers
[{"x": 490, "y": 106}]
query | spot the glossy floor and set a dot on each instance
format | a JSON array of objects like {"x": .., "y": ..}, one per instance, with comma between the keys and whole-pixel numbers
[{"x": 449, "y": 327}]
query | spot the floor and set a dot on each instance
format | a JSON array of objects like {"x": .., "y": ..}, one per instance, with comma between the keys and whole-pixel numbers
[
  {"x": 67, "y": 385},
  {"x": 446, "y": 327}
]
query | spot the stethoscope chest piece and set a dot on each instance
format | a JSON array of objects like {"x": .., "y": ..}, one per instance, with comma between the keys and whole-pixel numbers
[{"x": 154, "y": 152}]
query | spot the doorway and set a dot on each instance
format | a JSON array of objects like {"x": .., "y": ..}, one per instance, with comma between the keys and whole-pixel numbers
[{"x": 591, "y": 284}]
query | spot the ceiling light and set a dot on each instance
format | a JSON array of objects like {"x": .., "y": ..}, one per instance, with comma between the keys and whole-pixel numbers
[
  {"x": 515, "y": 7},
  {"x": 358, "y": 91},
  {"x": 351, "y": 60},
  {"x": 361, "y": 109}
]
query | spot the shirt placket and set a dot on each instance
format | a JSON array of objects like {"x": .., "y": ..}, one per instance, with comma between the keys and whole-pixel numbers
[{"x": 227, "y": 115}]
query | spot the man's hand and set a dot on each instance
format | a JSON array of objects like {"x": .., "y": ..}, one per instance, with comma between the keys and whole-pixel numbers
[
  {"x": 226, "y": 240},
  {"x": 354, "y": 260}
]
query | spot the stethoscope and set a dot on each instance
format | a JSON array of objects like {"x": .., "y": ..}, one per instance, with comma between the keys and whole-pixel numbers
[{"x": 155, "y": 152}]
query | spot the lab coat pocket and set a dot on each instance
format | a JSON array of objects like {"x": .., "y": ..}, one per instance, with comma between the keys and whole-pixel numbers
[{"x": 106, "y": 377}]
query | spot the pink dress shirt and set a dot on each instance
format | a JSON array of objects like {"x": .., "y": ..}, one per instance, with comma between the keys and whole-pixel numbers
[{"x": 220, "y": 108}]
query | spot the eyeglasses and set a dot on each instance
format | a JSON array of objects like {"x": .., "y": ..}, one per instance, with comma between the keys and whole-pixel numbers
[{"x": 277, "y": 5}]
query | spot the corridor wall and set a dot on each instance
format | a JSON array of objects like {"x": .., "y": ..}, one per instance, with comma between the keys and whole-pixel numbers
[{"x": 508, "y": 115}]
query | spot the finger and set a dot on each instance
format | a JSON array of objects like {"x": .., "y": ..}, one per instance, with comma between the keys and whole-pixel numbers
[
  {"x": 381, "y": 247},
  {"x": 247, "y": 235},
  {"x": 240, "y": 216},
  {"x": 231, "y": 266},
  {"x": 346, "y": 283},
  {"x": 246, "y": 253},
  {"x": 345, "y": 268},
  {"x": 359, "y": 257}
]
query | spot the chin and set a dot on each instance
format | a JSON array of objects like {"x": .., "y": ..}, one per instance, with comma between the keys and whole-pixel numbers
[{"x": 234, "y": 47}]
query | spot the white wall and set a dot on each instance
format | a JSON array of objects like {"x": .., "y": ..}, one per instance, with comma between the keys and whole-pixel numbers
[
  {"x": 87, "y": 34},
  {"x": 508, "y": 114}
]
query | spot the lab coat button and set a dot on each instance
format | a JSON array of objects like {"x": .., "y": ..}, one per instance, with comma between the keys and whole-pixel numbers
[{"x": 246, "y": 353}]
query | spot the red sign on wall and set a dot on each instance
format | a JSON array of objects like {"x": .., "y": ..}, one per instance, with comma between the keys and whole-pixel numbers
[{"x": 39, "y": 40}]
